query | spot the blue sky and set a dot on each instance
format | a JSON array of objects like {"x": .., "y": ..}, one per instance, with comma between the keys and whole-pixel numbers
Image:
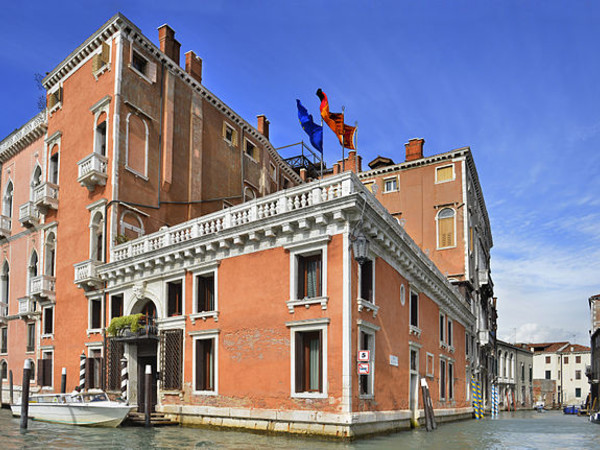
[{"x": 517, "y": 81}]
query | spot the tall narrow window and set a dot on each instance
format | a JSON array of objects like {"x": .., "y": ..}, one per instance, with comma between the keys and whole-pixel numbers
[
  {"x": 442, "y": 379},
  {"x": 442, "y": 328},
  {"x": 205, "y": 365},
  {"x": 450, "y": 380},
  {"x": 7, "y": 204},
  {"x": 449, "y": 333},
  {"x": 365, "y": 381},
  {"x": 3, "y": 370},
  {"x": 5, "y": 289},
  {"x": 174, "y": 297},
  {"x": 53, "y": 169},
  {"x": 32, "y": 270},
  {"x": 137, "y": 144},
  {"x": 3, "y": 340},
  {"x": 445, "y": 223},
  {"x": 309, "y": 361},
  {"x": 116, "y": 306},
  {"x": 30, "y": 337},
  {"x": 101, "y": 135},
  {"x": 97, "y": 237},
  {"x": 49, "y": 320},
  {"x": 366, "y": 280},
  {"x": 45, "y": 369},
  {"x": 50, "y": 255},
  {"x": 205, "y": 295},
  {"x": 309, "y": 276},
  {"x": 414, "y": 309},
  {"x": 36, "y": 180},
  {"x": 95, "y": 314}
]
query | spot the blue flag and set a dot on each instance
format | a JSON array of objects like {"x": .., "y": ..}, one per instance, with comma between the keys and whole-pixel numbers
[{"x": 314, "y": 131}]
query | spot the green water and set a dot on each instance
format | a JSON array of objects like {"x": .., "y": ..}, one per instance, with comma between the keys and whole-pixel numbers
[{"x": 520, "y": 430}]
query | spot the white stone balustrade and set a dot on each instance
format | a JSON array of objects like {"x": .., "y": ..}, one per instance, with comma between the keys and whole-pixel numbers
[
  {"x": 92, "y": 171},
  {"x": 46, "y": 196},
  {"x": 29, "y": 215},
  {"x": 26, "y": 305},
  {"x": 43, "y": 288},
  {"x": 5, "y": 226},
  {"x": 86, "y": 274}
]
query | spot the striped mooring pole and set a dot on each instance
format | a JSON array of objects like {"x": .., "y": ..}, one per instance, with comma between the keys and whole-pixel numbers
[
  {"x": 124, "y": 378},
  {"x": 477, "y": 404},
  {"x": 82, "y": 371},
  {"x": 494, "y": 401}
]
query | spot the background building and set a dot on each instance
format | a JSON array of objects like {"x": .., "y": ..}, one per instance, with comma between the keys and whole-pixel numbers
[
  {"x": 593, "y": 371},
  {"x": 515, "y": 375}
]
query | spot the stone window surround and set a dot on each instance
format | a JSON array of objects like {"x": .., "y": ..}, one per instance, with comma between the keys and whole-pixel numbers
[
  {"x": 205, "y": 269},
  {"x": 205, "y": 335},
  {"x": 371, "y": 330},
  {"x": 443, "y": 167},
  {"x": 140, "y": 115}
]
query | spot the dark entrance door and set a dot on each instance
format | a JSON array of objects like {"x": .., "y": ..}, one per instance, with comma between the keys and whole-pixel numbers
[{"x": 146, "y": 356}]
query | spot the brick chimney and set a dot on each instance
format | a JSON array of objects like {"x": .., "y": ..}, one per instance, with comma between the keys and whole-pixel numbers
[
  {"x": 414, "y": 149},
  {"x": 303, "y": 174},
  {"x": 263, "y": 125},
  {"x": 352, "y": 163},
  {"x": 168, "y": 45},
  {"x": 193, "y": 66}
]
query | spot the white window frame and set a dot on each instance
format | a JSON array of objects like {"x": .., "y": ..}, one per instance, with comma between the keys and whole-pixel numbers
[
  {"x": 4, "y": 362},
  {"x": 303, "y": 326},
  {"x": 443, "y": 359},
  {"x": 48, "y": 351},
  {"x": 370, "y": 329},
  {"x": 205, "y": 269},
  {"x": 442, "y": 333},
  {"x": 44, "y": 335},
  {"x": 206, "y": 335},
  {"x": 364, "y": 303},
  {"x": 176, "y": 277},
  {"x": 144, "y": 175},
  {"x": 307, "y": 248},
  {"x": 8, "y": 212},
  {"x": 437, "y": 228},
  {"x": 127, "y": 226},
  {"x": 449, "y": 334},
  {"x": 385, "y": 180},
  {"x": 450, "y": 380},
  {"x": 443, "y": 167},
  {"x": 412, "y": 328},
  {"x": 103, "y": 106},
  {"x": 429, "y": 371},
  {"x": 55, "y": 139},
  {"x": 91, "y": 330},
  {"x": 148, "y": 63},
  {"x": 1, "y": 342}
]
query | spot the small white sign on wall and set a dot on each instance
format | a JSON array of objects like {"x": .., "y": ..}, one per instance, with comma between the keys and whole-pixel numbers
[
  {"x": 364, "y": 355},
  {"x": 393, "y": 360}
]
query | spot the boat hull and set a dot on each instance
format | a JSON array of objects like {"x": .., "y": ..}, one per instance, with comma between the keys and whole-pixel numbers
[{"x": 83, "y": 415}]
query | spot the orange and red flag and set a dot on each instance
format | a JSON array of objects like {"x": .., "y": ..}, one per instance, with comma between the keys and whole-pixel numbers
[{"x": 335, "y": 121}]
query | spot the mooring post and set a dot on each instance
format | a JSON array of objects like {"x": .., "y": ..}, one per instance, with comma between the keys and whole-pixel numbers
[
  {"x": 63, "y": 381},
  {"x": 148, "y": 392},
  {"x": 25, "y": 394},
  {"x": 82, "y": 371},
  {"x": 10, "y": 387},
  {"x": 124, "y": 378}
]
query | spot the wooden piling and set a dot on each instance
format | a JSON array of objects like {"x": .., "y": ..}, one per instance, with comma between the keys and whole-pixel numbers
[
  {"x": 10, "y": 387},
  {"x": 148, "y": 395},
  {"x": 25, "y": 394},
  {"x": 430, "y": 423},
  {"x": 63, "y": 381}
]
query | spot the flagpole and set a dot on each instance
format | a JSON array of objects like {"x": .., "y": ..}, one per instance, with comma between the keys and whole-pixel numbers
[
  {"x": 343, "y": 149},
  {"x": 322, "y": 147}
]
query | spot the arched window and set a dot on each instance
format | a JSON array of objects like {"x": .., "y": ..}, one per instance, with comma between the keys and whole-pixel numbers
[
  {"x": 402, "y": 295},
  {"x": 4, "y": 289},
  {"x": 7, "y": 204},
  {"x": 36, "y": 180},
  {"x": 97, "y": 237},
  {"x": 137, "y": 145},
  {"x": 249, "y": 193},
  {"x": 32, "y": 270},
  {"x": 50, "y": 255},
  {"x": 53, "y": 167},
  {"x": 100, "y": 134},
  {"x": 131, "y": 226},
  {"x": 445, "y": 228},
  {"x": 3, "y": 370}
]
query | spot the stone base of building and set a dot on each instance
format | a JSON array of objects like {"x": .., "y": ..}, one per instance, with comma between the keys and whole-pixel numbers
[{"x": 309, "y": 423}]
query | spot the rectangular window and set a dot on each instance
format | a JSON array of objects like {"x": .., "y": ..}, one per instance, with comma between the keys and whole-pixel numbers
[
  {"x": 430, "y": 369},
  {"x": 143, "y": 66},
  {"x": 390, "y": 185},
  {"x": 101, "y": 138},
  {"x": 53, "y": 172},
  {"x": 174, "y": 297},
  {"x": 251, "y": 150},
  {"x": 578, "y": 374},
  {"x": 467, "y": 339},
  {"x": 93, "y": 370},
  {"x": 365, "y": 382},
  {"x": 49, "y": 320},
  {"x": 450, "y": 381},
  {"x": 566, "y": 360},
  {"x": 449, "y": 333},
  {"x": 116, "y": 306},
  {"x": 309, "y": 361},
  {"x": 171, "y": 359},
  {"x": 30, "y": 337},
  {"x": 530, "y": 374},
  {"x": 95, "y": 314},
  {"x": 414, "y": 309},
  {"x": 547, "y": 360},
  {"x": 229, "y": 134},
  {"x": 309, "y": 276},
  {"x": 205, "y": 365},
  {"x": 3, "y": 340},
  {"x": 44, "y": 370},
  {"x": 205, "y": 293},
  {"x": 366, "y": 280},
  {"x": 442, "y": 379},
  {"x": 548, "y": 375},
  {"x": 522, "y": 373},
  {"x": 442, "y": 327},
  {"x": 273, "y": 172},
  {"x": 578, "y": 392},
  {"x": 445, "y": 173},
  {"x": 578, "y": 359}
]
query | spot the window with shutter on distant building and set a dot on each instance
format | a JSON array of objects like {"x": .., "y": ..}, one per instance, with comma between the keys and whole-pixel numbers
[
  {"x": 44, "y": 368},
  {"x": 578, "y": 359},
  {"x": 443, "y": 174},
  {"x": 251, "y": 150},
  {"x": 442, "y": 379},
  {"x": 548, "y": 375},
  {"x": 566, "y": 360},
  {"x": 101, "y": 59},
  {"x": 143, "y": 66},
  {"x": 446, "y": 226},
  {"x": 578, "y": 392},
  {"x": 547, "y": 359},
  {"x": 578, "y": 374},
  {"x": 390, "y": 184},
  {"x": 230, "y": 134}
]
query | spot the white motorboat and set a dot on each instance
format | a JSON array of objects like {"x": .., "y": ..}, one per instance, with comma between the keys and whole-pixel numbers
[{"x": 88, "y": 409}]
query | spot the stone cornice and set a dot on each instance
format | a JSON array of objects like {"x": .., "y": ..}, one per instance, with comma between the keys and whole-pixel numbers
[
  {"x": 24, "y": 136},
  {"x": 120, "y": 22}
]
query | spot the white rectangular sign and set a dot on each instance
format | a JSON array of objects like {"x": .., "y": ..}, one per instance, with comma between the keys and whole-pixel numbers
[
  {"x": 393, "y": 360},
  {"x": 363, "y": 368},
  {"x": 364, "y": 355}
]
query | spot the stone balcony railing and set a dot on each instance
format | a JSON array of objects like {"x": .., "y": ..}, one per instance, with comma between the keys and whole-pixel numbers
[
  {"x": 5, "y": 226},
  {"x": 43, "y": 288},
  {"x": 86, "y": 274},
  {"x": 26, "y": 306},
  {"x": 45, "y": 197},
  {"x": 92, "y": 171},
  {"x": 29, "y": 215}
]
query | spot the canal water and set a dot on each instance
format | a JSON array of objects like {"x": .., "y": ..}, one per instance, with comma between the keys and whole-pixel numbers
[{"x": 518, "y": 430}]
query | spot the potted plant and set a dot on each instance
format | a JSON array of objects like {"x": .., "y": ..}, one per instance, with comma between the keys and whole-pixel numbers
[{"x": 118, "y": 325}]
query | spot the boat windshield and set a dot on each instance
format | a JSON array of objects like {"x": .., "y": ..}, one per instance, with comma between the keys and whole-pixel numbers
[{"x": 99, "y": 397}]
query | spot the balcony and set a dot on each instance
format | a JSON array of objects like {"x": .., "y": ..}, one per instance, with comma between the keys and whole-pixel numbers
[
  {"x": 5, "y": 226},
  {"x": 27, "y": 307},
  {"x": 3, "y": 313},
  {"x": 484, "y": 337},
  {"x": 92, "y": 171},
  {"x": 43, "y": 288},
  {"x": 29, "y": 215},
  {"x": 121, "y": 328},
  {"x": 45, "y": 197},
  {"x": 86, "y": 274}
]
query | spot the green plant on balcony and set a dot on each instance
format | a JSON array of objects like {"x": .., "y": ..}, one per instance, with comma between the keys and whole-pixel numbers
[
  {"x": 120, "y": 239},
  {"x": 131, "y": 323}
]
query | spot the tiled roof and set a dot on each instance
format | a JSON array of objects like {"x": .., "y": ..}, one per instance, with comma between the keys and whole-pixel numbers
[{"x": 553, "y": 347}]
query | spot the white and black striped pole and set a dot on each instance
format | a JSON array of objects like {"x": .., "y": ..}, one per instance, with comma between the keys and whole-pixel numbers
[
  {"x": 124, "y": 378},
  {"x": 82, "y": 371}
]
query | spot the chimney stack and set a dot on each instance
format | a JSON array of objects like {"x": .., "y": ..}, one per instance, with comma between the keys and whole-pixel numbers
[
  {"x": 193, "y": 66},
  {"x": 263, "y": 125},
  {"x": 414, "y": 149},
  {"x": 168, "y": 45}
]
